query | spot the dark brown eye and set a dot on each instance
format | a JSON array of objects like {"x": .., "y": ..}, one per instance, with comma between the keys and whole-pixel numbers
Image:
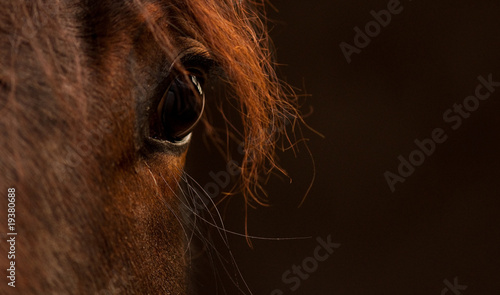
[{"x": 180, "y": 108}]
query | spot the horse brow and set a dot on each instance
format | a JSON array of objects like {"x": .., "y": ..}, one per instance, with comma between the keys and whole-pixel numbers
[{"x": 196, "y": 54}]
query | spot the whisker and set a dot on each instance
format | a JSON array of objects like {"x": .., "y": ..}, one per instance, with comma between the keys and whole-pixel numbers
[{"x": 242, "y": 234}]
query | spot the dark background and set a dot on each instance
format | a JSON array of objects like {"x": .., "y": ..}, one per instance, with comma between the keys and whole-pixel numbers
[{"x": 442, "y": 222}]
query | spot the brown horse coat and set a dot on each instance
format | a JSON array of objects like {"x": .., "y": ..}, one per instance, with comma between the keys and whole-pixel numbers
[{"x": 97, "y": 208}]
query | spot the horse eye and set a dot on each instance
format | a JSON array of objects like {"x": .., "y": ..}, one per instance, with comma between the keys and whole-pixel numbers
[{"x": 180, "y": 108}]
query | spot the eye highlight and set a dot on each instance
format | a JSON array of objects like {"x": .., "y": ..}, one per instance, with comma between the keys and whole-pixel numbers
[{"x": 180, "y": 108}]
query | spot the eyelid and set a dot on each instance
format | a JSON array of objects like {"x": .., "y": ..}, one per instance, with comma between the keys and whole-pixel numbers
[{"x": 196, "y": 55}]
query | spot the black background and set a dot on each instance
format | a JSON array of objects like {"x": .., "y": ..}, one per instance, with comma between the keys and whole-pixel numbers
[{"x": 442, "y": 222}]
